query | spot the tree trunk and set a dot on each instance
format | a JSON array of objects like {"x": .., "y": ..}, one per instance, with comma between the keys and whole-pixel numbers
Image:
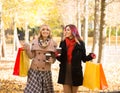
[
  {"x": 78, "y": 17},
  {"x": 26, "y": 33},
  {"x": 2, "y": 36},
  {"x": 86, "y": 23},
  {"x": 102, "y": 34},
  {"x": 3, "y": 43},
  {"x": 96, "y": 28},
  {"x": 116, "y": 36},
  {"x": 16, "y": 43},
  {"x": 109, "y": 35},
  {"x": 0, "y": 32}
]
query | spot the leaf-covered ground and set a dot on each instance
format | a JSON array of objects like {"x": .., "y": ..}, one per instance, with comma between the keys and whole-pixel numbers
[{"x": 14, "y": 84}]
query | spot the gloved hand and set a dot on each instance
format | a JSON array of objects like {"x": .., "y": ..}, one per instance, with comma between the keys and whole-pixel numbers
[{"x": 93, "y": 55}]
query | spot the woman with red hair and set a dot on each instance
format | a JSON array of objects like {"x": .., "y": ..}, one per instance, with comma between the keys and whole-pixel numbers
[{"x": 73, "y": 52}]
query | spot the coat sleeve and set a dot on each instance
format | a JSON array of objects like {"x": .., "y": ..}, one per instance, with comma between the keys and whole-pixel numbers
[
  {"x": 83, "y": 49},
  {"x": 29, "y": 52}
]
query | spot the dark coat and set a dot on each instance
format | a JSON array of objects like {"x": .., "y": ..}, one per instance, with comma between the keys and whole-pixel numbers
[{"x": 78, "y": 55}]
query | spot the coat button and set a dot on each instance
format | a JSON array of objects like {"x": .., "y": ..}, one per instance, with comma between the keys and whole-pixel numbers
[
  {"x": 43, "y": 68},
  {"x": 37, "y": 67}
]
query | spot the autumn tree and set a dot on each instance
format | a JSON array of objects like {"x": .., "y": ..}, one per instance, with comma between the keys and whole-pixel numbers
[
  {"x": 102, "y": 37},
  {"x": 96, "y": 27},
  {"x": 2, "y": 35},
  {"x": 19, "y": 14}
]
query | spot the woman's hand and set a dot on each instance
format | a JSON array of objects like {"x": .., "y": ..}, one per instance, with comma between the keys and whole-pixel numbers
[
  {"x": 50, "y": 60},
  {"x": 26, "y": 46},
  {"x": 58, "y": 52},
  {"x": 93, "y": 55}
]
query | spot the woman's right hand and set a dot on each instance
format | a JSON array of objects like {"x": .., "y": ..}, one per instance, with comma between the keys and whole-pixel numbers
[{"x": 26, "y": 46}]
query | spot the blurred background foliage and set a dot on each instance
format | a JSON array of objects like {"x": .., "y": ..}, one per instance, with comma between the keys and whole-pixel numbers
[{"x": 54, "y": 13}]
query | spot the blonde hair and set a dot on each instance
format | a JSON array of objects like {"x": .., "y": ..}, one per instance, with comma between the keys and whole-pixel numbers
[{"x": 40, "y": 29}]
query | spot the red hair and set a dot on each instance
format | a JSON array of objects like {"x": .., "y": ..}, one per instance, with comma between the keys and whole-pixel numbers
[{"x": 74, "y": 31}]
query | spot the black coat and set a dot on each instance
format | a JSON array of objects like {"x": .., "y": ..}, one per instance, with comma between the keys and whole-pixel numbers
[{"x": 78, "y": 55}]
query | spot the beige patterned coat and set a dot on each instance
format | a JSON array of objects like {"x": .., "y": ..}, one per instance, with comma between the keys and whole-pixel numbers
[{"x": 37, "y": 54}]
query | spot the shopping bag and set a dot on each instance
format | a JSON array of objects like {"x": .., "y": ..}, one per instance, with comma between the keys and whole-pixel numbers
[
  {"x": 92, "y": 76},
  {"x": 17, "y": 62},
  {"x": 21, "y": 64},
  {"x": 24, "y": 63},
  {"x": 103, "y": 81}
]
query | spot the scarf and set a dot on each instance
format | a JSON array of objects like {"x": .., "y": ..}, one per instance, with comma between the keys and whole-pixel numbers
[
  {"x": 43, "y": 43},
  {"x": 70, "y": 46}
]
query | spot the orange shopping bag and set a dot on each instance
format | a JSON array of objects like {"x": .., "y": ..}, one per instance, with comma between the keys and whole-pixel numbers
[
  {"x": 94, "y": 77},
  {"x": 103, "y": 81},
  {"x": 21, "y": 63}
]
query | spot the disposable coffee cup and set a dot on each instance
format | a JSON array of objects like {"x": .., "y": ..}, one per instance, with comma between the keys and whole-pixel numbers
[
  {"x": 59, "y": 50},
  {"x": 48, "y": 55}
]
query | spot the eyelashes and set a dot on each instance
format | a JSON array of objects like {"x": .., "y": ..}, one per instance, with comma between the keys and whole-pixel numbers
[{"x": 45, "y": 29}]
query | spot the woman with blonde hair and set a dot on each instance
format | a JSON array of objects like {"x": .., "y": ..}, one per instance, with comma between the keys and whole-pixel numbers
[{"x": 39, "y": 78}]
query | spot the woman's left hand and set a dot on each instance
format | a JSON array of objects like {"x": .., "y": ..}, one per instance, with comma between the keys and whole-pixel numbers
[
  {"x": 93, "y": 55},
  {"x": 50, "y": 60}
]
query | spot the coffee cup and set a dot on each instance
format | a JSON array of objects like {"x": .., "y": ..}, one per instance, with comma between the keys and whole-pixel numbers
[
  {"x": 59, "y": 50},
  {"x": 48, "y": 55}
]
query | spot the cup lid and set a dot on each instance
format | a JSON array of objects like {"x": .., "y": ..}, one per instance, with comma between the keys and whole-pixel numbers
[{"x": 48, "y": 54}]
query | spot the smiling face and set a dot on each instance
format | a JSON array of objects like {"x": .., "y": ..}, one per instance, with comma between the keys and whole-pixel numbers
[
  {"x": 45, "y": 31},
  {"x": 68, "y": 32}
]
